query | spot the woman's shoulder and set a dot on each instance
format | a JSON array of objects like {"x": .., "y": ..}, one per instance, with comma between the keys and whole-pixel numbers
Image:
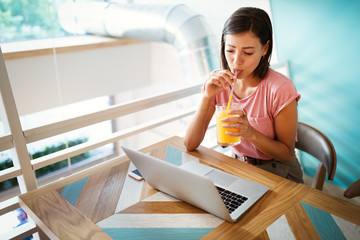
[
  {"x": 275, "y": 77},
  {"x": 275, "y": 80},
  {"x": 278, "y": 85}
]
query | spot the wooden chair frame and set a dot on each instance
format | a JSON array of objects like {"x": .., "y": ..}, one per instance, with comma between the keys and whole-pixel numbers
[
  {"x": 353, "y": 190},
  {"x": 317, "y": 144}
]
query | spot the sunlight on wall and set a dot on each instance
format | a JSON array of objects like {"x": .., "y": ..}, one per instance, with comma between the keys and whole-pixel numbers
[{"x": 320, "y": 40}]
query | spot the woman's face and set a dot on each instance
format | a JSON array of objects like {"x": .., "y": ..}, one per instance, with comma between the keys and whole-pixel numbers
[{"x": 243, "y": 52}]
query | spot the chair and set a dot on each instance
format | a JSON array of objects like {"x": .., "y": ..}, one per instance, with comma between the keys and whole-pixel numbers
[
  {"x": 353, "y": 190},
  {"x": 317, "y": 144}
]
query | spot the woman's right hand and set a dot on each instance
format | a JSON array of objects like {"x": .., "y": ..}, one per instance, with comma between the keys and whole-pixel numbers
[{"x": 218, "y": 81}]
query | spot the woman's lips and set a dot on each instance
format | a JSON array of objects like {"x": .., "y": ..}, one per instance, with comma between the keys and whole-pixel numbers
[{"x": 237, "y": 72}]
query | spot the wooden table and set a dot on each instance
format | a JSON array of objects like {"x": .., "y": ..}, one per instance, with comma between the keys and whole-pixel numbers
[{"x": 104, "y": 203}]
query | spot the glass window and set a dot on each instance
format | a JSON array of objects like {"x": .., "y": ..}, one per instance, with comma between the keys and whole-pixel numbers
[{"x": 27, "y": 20}]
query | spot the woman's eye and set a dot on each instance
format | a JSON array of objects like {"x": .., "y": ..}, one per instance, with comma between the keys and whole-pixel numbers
[
  {"x": 230, "y": 51},
  {"x": 247, "y": 53}
]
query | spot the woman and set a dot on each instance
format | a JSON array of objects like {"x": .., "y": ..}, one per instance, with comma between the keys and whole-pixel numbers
[{"x": 268, "y": 123}]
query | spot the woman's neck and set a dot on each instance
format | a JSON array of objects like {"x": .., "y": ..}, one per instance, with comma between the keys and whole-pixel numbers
[{"x": 246, "y": 87}]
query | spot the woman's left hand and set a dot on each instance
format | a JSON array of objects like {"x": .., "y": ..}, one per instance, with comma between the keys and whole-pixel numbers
[{"x": 239, "y": 122}]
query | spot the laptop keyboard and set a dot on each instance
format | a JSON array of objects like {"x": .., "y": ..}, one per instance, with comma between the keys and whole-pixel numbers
[{"x": 232, "y": 200}]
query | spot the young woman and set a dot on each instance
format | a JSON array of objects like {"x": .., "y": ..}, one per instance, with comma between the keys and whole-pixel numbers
[{"x": 268, "y": 123}]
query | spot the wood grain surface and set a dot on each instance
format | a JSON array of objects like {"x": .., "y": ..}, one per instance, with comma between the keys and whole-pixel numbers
[
  {"x": 269, "y": 208},
  {"x": 162, "y": 208},
  {"x": 60, "y": 220},
  {"x": 333, "y": 205},
  {"x": 109, "y": 197},
  {"x": 305, "y": 230}
]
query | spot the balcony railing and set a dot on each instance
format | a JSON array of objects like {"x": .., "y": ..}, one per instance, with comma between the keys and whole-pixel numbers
[{"x": 17, "y": 139}]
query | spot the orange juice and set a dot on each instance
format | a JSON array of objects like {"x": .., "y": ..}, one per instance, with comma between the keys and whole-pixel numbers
[{"x": 223, "y": 138}]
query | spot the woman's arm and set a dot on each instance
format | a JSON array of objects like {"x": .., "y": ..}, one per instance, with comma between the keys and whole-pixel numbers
[
  {"x": 217, "y": 81},
  {"x": 199, "y": 124},
  {"x": 281, "y": 148}
]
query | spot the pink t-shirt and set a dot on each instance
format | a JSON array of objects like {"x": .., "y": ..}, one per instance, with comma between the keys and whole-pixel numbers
[{"x": 273, "y": 94}]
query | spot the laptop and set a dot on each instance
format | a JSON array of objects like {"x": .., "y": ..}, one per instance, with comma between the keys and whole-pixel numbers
[{"x": 212, "y": 190}]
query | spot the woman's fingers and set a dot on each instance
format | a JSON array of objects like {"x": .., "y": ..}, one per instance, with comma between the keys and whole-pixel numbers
[
  {"x": 241, "y": 112},
  {"x": 223, "y": 77},
  {"x": 239, "y": 122}
]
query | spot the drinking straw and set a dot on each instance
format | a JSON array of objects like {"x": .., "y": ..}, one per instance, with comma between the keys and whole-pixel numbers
[
  {"x": 228, "y": 106},
  {"x": 231, "y": 94}
]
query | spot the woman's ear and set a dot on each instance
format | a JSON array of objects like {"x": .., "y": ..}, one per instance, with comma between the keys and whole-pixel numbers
[{"x": 266, "y": 47}]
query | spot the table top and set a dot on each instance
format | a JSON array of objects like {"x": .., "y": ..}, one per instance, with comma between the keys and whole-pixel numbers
[{"x": 103, "y": 202}]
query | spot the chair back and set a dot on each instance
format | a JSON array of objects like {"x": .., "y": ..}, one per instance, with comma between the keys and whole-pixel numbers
[{"x": 317, "y": 144}]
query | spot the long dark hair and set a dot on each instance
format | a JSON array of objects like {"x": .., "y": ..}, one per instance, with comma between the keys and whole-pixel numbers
[{"x": 256, "y": 21}]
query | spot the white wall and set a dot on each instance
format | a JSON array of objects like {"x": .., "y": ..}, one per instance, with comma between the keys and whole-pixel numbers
[
  {"x": 165, "y": 64},
  {"x": 37, "y": 84}
]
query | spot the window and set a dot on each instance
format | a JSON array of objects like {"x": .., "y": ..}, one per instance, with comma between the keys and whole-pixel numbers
[{"x": 27, "y": 20}]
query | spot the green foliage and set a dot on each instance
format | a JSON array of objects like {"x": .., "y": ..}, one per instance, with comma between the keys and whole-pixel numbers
[
  {"x": 7, "y": 163},
  {"x": 28, "y": 19},
  {"x": 53, "y": 167}
]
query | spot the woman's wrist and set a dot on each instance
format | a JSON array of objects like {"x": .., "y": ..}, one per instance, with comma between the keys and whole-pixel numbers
[
  {"x": 206, "y": 98},
  {"x": 253, "y": 135}
]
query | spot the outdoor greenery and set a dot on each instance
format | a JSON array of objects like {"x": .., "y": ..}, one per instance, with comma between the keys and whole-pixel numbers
[
  {"x": 47, "y": 169},
  {"x": 8, "y": 183},
  {"x": 29, "y": 19}
]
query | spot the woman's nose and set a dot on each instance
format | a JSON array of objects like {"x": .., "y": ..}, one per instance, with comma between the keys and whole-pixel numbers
[{"x": 238, "y": 60}]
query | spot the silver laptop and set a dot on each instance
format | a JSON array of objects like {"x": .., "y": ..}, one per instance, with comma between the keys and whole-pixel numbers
[{"x": 219, "y": 193}]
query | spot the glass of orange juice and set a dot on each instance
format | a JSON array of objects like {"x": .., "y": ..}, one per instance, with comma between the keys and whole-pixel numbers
[{"x": 224, "y": 139}]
